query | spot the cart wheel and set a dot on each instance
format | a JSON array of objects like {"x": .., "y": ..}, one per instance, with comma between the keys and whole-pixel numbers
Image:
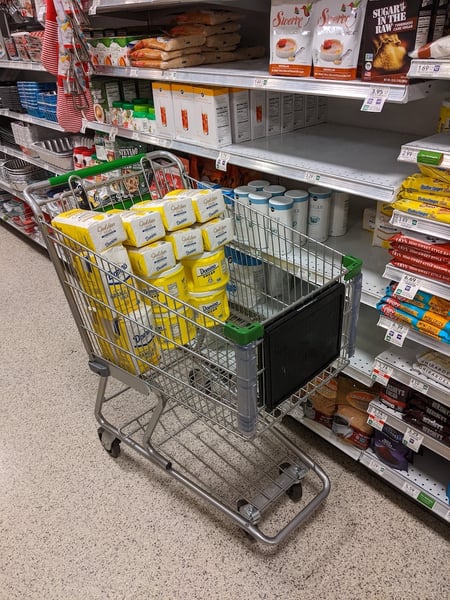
[
  {"x": 295, "y": 492},
  {"x": 198, "y": 381},
  {"x": 114, "y": 451}
]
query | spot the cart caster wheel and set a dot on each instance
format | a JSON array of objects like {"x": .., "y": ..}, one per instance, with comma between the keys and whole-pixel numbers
[
  {"x": 198, "y": 381},
  {"x": 114, "y": 451},
  {"x": 295, "y": 492}
]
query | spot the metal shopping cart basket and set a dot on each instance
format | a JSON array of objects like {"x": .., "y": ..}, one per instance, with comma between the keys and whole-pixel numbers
[{"x": 199, "y": 397}]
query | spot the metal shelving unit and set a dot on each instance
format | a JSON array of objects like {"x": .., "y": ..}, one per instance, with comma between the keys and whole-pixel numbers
[
  {"x": 432, "y": 286},
  {"x": 355, "y": 160},
  {"x": 429, "y": 68},
  {"x": 398, "y": 364},
  {"x": 6, "y": 112},
  {"x": 415, "y": 336},
  {"x": 22, "y": 65},
  {"x": 411, "y": 222},
  {"x": 31, "y": 159},
  {"x": 395, "y": 420},
  {"x": 424, "y": 481},
  {"x": 255, "y": 74}
]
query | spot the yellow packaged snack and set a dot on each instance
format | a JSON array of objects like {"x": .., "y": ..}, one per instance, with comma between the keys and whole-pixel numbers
[
  {"x": 422, "y": 183},
  {"x": 427, "y": 198},
  {"x": 420, "y": 209}
]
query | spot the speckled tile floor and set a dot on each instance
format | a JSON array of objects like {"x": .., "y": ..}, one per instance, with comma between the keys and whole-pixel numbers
[{"x": 78, "y": 525}]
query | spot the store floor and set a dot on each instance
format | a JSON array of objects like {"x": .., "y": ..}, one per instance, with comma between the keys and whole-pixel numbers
[{"x": 76, "y": 524}]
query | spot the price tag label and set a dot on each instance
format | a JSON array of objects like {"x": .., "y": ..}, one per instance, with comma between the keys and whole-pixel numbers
[
  {"x": 410, "y": 489},
  {"x": 375, "y": 99},
  {"x": 427, "y": 68},
  {"x": 84, "y": 124},
  {"x": 312, "y": 177},
  {"x": 376, "y": 419},
  {"x": 41, "y": 13},
  {"x": 381, "y": 373},
  {"x": 133, "y": 72},
  {"x": 408, "y": 287},
  {"x": 259, "y": 82},
  {"x": 447, "y": 516},
  {"x": 374, "y": 465},
  {"x": 404, "y": 220},
  {"x": 412, "y": 439},
  {"x": 396, "y": 334},
  {"x": 408, "y": 154},
  {"x": 222, "y": 161},
  {"x": 419, "y": 385},
  {"x": 113, "y": 133},
  {"x": 93, "y": 7},
  {"x": 135, "y": 135}
]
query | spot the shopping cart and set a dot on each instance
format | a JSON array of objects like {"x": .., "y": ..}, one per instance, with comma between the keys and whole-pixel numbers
[{"x": 200, "y": 398}]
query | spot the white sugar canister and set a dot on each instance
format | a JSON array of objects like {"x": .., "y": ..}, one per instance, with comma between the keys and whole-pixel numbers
[
  {"x": 319, "y": 207},
  {"x": 339, "y": 213},
  {"x": 259, "y": 203},
  {"x": 275, "y": 190},
  {"x": 241, "y": 214},
  {"x": 279, "y": 237},
  {"x": 258, "y": 185},
  {"x": 300, "y": 199}
]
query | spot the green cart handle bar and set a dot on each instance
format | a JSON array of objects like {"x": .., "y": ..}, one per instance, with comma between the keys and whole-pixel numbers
[{"x": 97, "y": 169}]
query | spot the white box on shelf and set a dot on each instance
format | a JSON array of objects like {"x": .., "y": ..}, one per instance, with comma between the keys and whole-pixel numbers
[
  {"x": 299, "y": 111},
  {"x": 240, "y": 115},
  {"x": 273, "y": 113},
  {"x": 212, "y": 125},
  {"x": 184, "y": 111},
  {"x": 287, "y": 112},
  {"x": 257, "y": 113},
  {"x": 162, "y": 98}
]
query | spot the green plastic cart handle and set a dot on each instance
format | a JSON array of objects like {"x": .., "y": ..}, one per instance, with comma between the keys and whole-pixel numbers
[
  {"x": 96, "y": 170},
  {"x": 353, "y": 266}
]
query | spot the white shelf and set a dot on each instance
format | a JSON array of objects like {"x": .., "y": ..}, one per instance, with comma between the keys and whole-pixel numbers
[
  {"x": 5, "y": 112},
  {"x": 97, "y": 6},
  {"x": 433, "y": 150},
  {"x": 425, "y": 284},
  {"x": 424, "y": 481},
  {"x": 355, "y": 160},
  {"x": 31, "y": 159},
  {"x": 415, "y": 336},
  {"x": 22, "y": 65},
  {"x": 400, "y": 362},
  {"x": 369, "y": 343},
  {"x": 255, "y": 74},
  {"x": 412, "y": 222},
  {"x": 395, "y": 420},
  {"x": 330, "y": 437},
  {"x": 430, "y": 68}
]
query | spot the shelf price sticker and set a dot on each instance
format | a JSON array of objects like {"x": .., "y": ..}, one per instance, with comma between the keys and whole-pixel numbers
[
  {"x": 430, "y": 157},
  {"x": 375, "y": 99},
  {"x": 260, "y": 82},
  {"x": 408, "y": 286},
  {"x": 376, "y": 419},
  {"x": 408, "y": 154},
  {"x": 411, "y": 490},
  {"x": 418, "y": 385},
  {"x": 381, "y": 373},
  {"x": 374, "y": 465},
  {"x": 312, "y": 176},
  {"x": 84, "y": 124},
  {"x": 113, "y": 133},
  {"x": 396, "y": 334},
  {"x": 404, "y": 220},
  {"x": 93, "y": 7},
  {"x": 222, "y": 161},
  {"x": 412, "y": 439}
]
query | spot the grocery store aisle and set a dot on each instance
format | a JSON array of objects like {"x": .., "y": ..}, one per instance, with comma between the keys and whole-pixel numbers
[{"x": 76, "y": 524}]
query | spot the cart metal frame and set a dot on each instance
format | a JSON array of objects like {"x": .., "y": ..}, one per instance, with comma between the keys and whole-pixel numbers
[{"x": 198, "y": 410}]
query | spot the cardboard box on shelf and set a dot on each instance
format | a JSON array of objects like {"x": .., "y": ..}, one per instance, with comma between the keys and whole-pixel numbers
[
  {"x": 162, "y": 98},
  {"x": 240, "y": 115},
  {"x": 257, "y": 113},
  {"x": 383, "y": 230},
  {"x": 273, "y": 112},
  {"x": 184, "y": 111},
  {"x": 212, "y": 123}
]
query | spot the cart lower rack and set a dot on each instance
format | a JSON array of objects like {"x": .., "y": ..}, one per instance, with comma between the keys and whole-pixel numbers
[{"x": 198, "y": 379}]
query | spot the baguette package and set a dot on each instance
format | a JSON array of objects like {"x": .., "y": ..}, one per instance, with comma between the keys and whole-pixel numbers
[
  {"x": 223, "y": 40},
  {"x": 162, "y": 55},
  {"x": 168, "y": 44},
  {"x": 191, "y": 60}
]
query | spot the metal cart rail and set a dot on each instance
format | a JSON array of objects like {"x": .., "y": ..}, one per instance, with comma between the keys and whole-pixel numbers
[{"x": 201, "y": 398}]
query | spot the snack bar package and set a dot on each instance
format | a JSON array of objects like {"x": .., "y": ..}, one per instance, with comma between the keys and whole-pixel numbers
[
  {"x": 337, "y": 38},
  {"x": 392, "y": 30},
  {"x": 291, "y": 28}
]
